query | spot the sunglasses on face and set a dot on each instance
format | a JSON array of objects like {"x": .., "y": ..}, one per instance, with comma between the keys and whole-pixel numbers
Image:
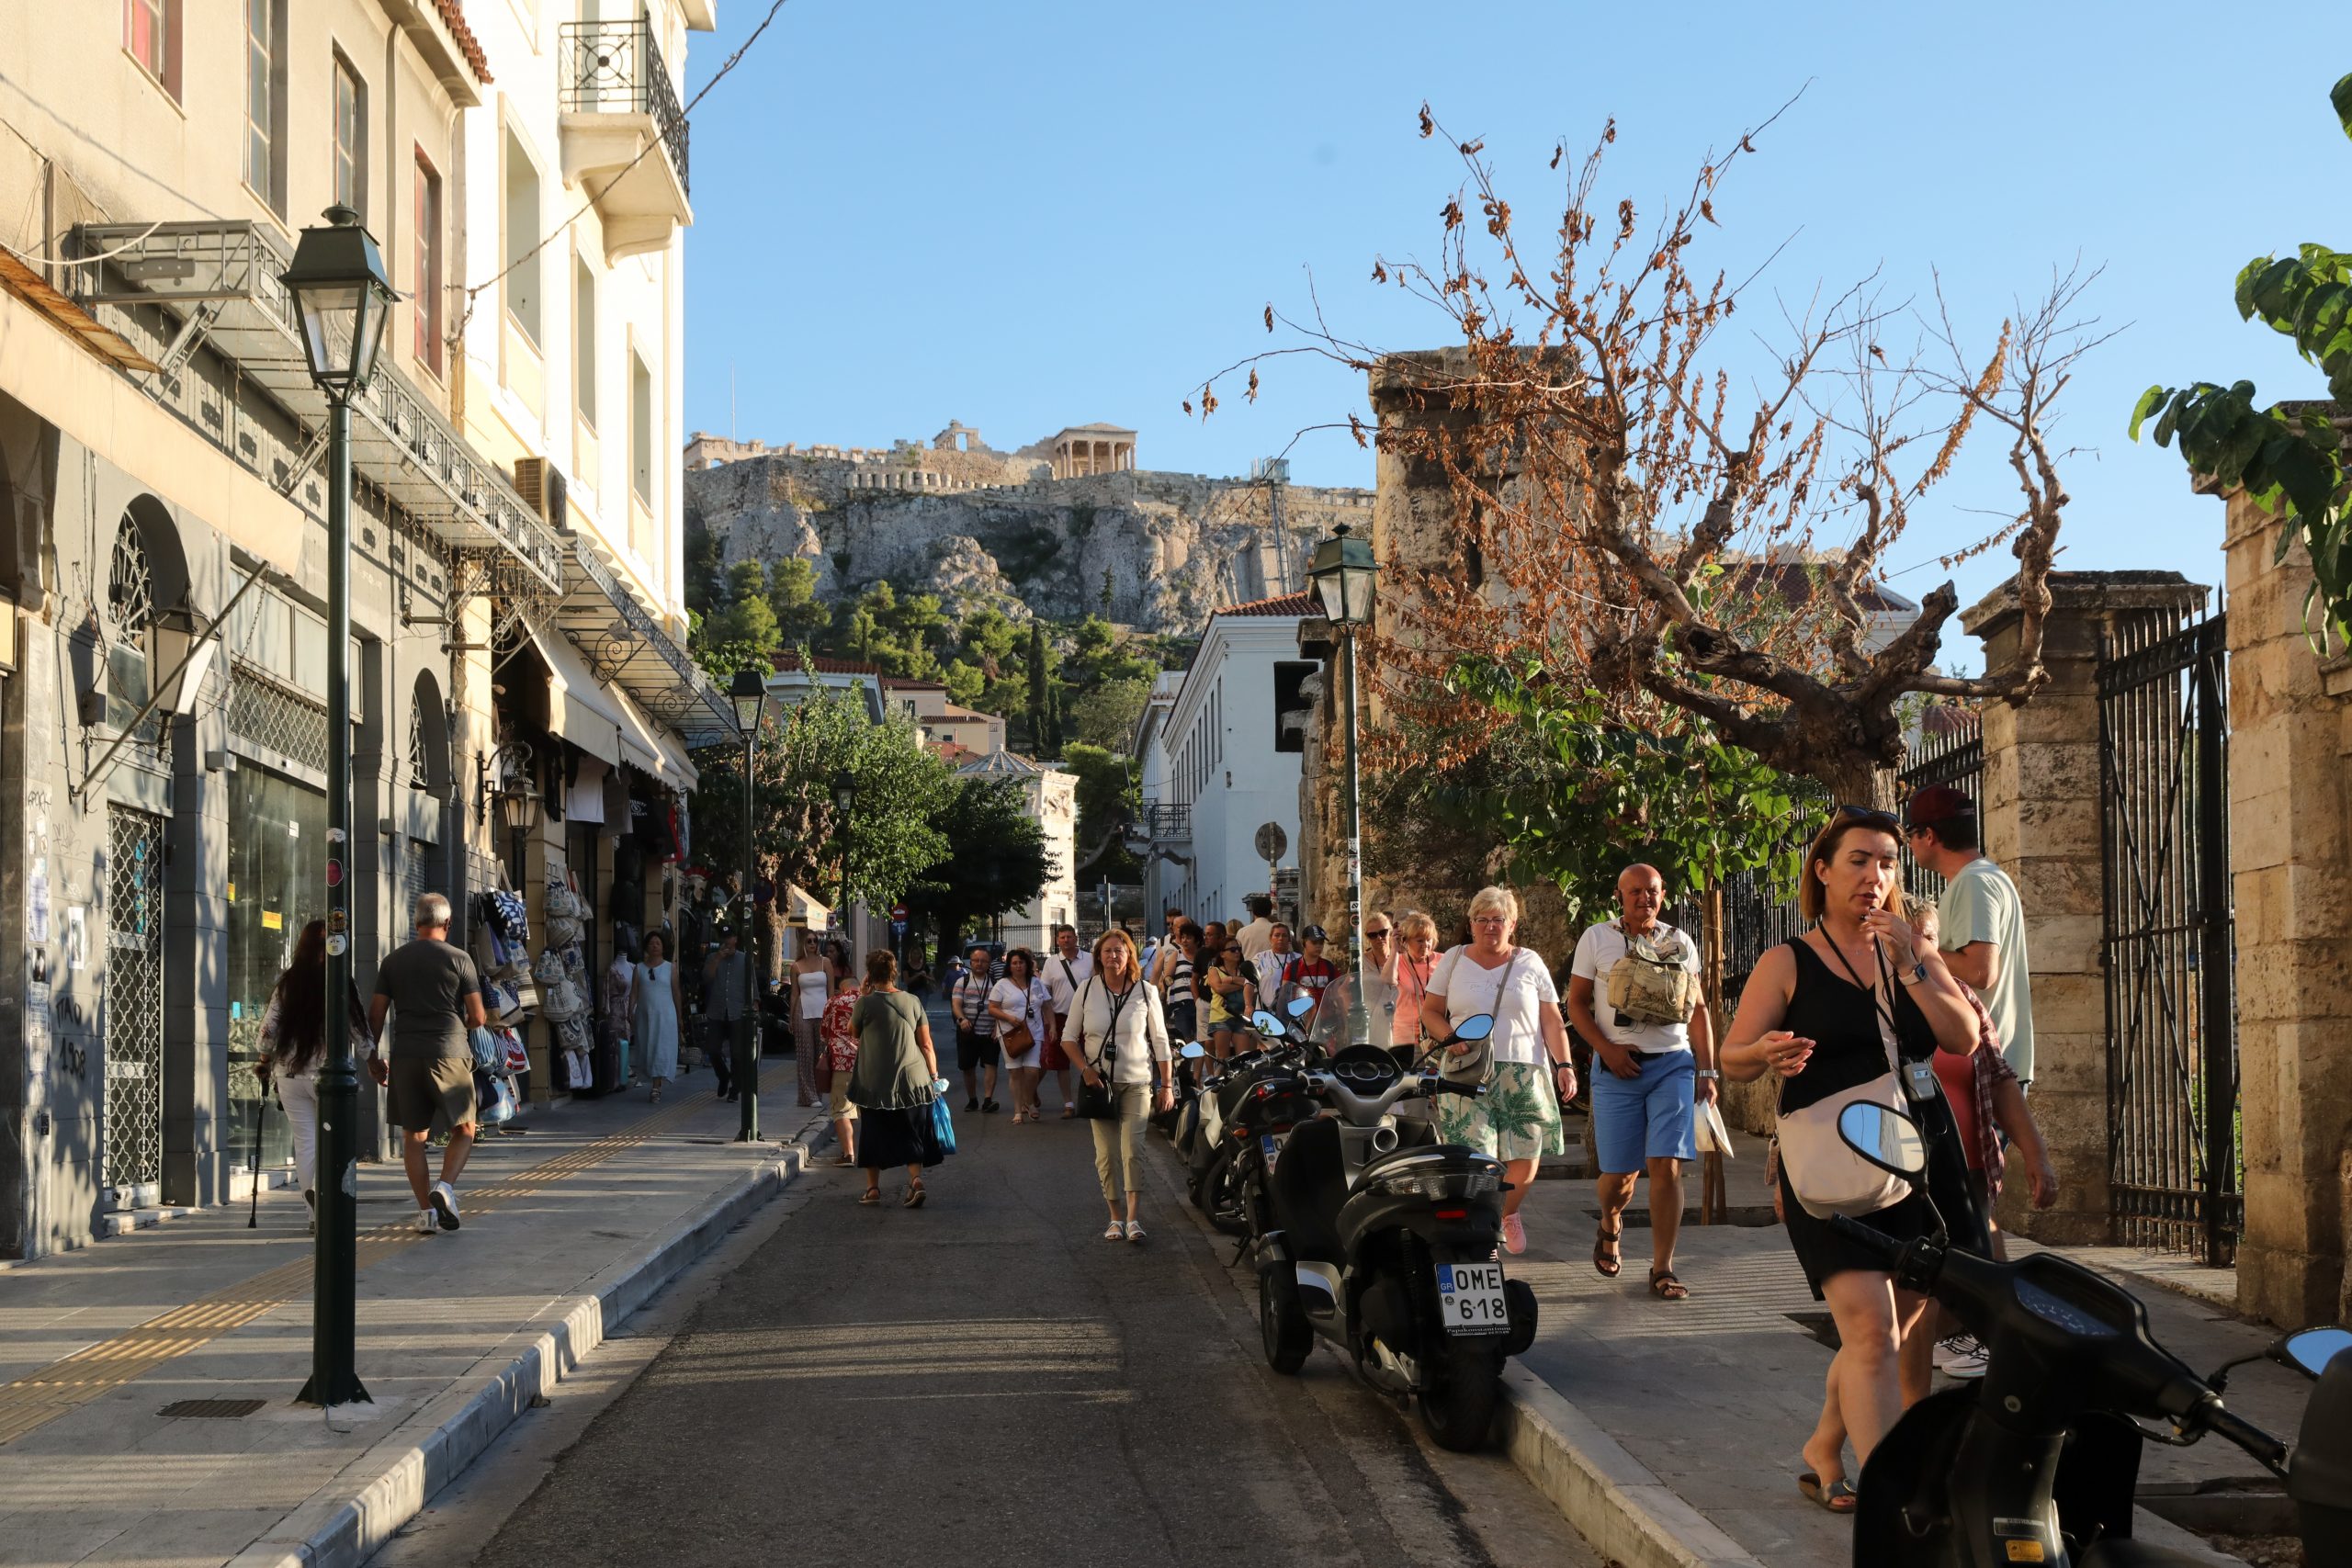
[{"x": 1369, "y": 936}]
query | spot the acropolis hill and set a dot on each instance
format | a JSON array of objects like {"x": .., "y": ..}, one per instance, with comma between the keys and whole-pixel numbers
[{"x": 1063, "y": 527}]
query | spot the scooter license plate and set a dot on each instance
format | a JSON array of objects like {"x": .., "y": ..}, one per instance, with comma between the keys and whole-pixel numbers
[
  {"x": 1270, "y": 1148},
  {"x": 1470, "y": 1298}
]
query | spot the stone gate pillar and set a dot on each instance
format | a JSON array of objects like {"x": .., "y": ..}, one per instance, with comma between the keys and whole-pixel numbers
[
  {"x": 2043, "y": 823},
  {"x": 2290, "y": 868}
]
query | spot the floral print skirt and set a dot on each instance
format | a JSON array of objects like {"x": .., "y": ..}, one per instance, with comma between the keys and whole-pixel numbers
[{"x": 1517, "y": 1118}]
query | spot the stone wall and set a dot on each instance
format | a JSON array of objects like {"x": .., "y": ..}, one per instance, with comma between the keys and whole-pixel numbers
[{"x": 2290, "y": 861}]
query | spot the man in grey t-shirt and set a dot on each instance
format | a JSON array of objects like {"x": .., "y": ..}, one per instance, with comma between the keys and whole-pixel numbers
[{"x": 433, "y": 995}]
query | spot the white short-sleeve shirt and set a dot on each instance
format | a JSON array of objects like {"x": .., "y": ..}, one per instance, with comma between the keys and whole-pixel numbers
[
  {"x": 1064, "y": 976},
  {"x": 1598, "y": 951},
  {"x": 1513, "y": 991}
]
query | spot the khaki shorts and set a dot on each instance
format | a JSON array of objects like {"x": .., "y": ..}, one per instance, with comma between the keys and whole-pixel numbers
[
  {"x": 422, "y": 1088},
  {"x": 837, "y": 1098}
]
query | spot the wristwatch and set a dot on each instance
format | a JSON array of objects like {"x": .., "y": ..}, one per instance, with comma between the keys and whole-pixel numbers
[
  {"x": 1919, "y": 972},
  {"x": 1709, "y": 1073}
]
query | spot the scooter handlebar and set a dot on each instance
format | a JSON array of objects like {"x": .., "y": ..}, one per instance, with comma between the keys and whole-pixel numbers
[
  {"x": 2211, "y": 1417},
  {"x": 1877, "y": 1243}
]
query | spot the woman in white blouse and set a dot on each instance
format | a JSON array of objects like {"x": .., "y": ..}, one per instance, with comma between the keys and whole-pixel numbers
[
  {"x": 1518, "y": 1119},
  {"x": 1118, "y": 1036},
  {"x": 1021, "y": 1001}
]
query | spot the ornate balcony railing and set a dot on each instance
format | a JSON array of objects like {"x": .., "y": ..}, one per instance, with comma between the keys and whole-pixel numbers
[
  {"x": 617, "y": 68},
  {"x": 1167, "y": 824}
]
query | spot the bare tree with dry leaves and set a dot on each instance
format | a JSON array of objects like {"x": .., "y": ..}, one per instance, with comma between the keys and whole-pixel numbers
[{"x": 1624, "y": 516}]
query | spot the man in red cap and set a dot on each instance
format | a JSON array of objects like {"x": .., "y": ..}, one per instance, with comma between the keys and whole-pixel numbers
[{"x": 1982, "y": 921}]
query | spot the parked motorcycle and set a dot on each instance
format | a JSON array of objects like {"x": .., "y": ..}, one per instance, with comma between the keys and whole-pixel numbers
[
  {"x": 1214, "y": 1147},
  {"x": 2038, "y": 1462},
  {"x": 1388, "y": 1250}
]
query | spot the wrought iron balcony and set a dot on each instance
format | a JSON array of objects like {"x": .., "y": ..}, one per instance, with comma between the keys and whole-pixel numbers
[
  {"x": 616, "y": 95},
  {"x": 1169, "y": 824}
]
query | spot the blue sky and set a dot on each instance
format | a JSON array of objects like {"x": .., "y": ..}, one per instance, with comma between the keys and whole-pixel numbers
[{"x": 1025, "y": 215}]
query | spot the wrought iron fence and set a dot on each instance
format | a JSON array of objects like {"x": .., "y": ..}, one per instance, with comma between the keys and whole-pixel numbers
[
  {"x": 1949, "y": 750},
  {"x": 133, "y": 1027},
  {"x": 617, "y": 68},
  {"x": 2174, "y": 1141}
]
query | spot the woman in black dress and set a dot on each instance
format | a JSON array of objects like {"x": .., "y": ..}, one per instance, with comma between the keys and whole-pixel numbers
[{"x": 1818, "y": 1010}]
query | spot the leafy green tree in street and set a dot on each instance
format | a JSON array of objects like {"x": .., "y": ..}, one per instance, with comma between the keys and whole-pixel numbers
[
  {"x": 2291, "y": 456},
  {"x": 993, "y": 860},
  {"x": 1108, "y": 799},
  {"x": 798, "y": 837},
  {"x": 1105, "y": 716}
]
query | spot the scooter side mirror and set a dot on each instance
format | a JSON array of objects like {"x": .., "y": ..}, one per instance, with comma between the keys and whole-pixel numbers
[
  {"x": 1299, "y": 1007},
  {"x": 1267, "y": 1024},
  {"x": 1477, "y": 1026},
  {"x": 2309, "y": 1350},
  {"x": 1885, "y": 1138},
  {"x": 1191, "y": 1051}
]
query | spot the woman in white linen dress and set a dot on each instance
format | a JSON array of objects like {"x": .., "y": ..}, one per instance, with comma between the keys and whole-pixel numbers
[{"x": 659, "y": 1005}]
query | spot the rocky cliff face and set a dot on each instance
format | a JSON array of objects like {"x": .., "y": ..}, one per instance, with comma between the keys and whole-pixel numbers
[{"x": 1154, "y": 550}]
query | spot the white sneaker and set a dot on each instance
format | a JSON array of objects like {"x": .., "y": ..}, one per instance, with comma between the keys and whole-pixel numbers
[
  {"x": 445, "y": 1204},
  {"x": 427, "y": 1221},
  {"x": 1962, "y": 1356}
]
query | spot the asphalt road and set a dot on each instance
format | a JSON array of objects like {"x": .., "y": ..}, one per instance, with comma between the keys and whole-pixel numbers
[{"x": 985, "y": 1381}]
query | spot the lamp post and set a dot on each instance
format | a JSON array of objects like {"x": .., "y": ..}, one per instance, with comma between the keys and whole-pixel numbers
[
  {"x": 749, "y": 695},
  {"x": 344, "y": 298},
  {"x": 845, "y": 798},
  {"x": 1342, "y": 573}
]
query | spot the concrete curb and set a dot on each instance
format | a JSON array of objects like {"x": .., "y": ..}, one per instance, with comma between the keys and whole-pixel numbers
[
  {"x": 1627, "y": 1513},
  {"x": 345, "y": 1522}
]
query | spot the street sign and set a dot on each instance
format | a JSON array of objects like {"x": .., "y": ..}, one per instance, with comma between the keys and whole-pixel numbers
[
  {"x": 1271, "y": 841},
  {"x": 898, "y": 914}
]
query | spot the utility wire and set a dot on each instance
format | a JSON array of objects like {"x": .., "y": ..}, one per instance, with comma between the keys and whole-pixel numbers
[{"x": 475, "y": 292}]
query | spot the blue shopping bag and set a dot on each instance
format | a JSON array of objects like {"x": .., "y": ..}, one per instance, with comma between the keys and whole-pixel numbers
[{"x": 942, "y": 1124}]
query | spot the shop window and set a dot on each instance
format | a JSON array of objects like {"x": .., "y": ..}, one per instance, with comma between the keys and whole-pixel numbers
[{"x": 130, "y": 619}]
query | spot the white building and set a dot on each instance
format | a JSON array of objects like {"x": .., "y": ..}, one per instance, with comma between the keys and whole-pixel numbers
[
  {"x": 1216, "y": 767},
  {"x": 1052, "y": 797}
]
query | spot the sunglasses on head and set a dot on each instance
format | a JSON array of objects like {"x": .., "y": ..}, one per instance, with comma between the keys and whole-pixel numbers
[{"x": 1872, "y": 815}]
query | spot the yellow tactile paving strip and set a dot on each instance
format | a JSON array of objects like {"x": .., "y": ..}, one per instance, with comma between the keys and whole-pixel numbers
[{"x": 39, "y": 1398}]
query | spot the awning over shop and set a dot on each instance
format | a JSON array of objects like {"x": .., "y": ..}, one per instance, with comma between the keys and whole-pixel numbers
[
  {"x": 579, "y": 709},
  {"x": 802, "y": 909},
  {"x": 627, "y": 645}
]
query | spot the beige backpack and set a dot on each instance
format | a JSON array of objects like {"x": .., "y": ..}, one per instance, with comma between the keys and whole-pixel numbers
[{"x": 1652, "y": 983}]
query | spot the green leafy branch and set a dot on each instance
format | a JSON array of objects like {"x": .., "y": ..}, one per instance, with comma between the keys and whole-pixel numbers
[{"x": 2288, "y": 458}]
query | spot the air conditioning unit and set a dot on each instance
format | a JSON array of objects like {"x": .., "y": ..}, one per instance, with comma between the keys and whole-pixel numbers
[{"x": 542, "y": 487}]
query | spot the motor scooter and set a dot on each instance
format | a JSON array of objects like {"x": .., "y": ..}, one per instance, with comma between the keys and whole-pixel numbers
[
  {"x": 1389, "y": 1252},
  {"x": 2038, "y": 1462}
]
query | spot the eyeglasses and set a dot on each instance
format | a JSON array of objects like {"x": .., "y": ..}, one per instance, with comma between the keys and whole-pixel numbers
[
  {"x": 1872, "y": 815},
  {"x": 1368, "y": 935}
]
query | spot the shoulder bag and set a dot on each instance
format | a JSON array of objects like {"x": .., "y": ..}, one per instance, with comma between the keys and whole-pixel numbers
[
  {"x": 1476, "y": 1065},
  {"x": 1650, "y": 983},
  {"x": 1016, "y": 1038},
  {"x": 1099, "y": 1103},
  {"x": 1827, "y": 1176}
]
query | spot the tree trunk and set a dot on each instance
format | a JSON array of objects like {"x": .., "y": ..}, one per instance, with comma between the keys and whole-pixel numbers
[{"x": 1855, "y": 780}]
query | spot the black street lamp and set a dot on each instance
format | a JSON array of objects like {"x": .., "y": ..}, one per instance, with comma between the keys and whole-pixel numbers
[
  {"x": 344, "y": 298},
  {"x": 748, "y": 696},
  {"x": 844, "y": 799},
  {"x": 1343, "y": 572}
]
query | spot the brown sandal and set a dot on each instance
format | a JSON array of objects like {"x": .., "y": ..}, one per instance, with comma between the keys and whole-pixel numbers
[
  {"x": 1608, "y": 1267},
  {"x": 1667, "y": 1288}
]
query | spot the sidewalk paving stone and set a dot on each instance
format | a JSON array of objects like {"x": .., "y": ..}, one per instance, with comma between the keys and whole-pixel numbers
[
  {"x": 1715, "y": 1396},
  {"x": 566, "y": 1229}
]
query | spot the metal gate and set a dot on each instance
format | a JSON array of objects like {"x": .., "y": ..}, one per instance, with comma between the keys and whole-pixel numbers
[
  {"x": 132, "y": 1134},
  {"x": 1949, "y": 750},
  {"x": 2172, "y": 1120}
]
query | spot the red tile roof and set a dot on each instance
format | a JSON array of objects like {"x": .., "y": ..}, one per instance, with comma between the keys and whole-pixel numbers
[
  {"x": 899, "y": 683},
  {"x": 453, "y": 13},
  {"x": 1281, "y": 604}
]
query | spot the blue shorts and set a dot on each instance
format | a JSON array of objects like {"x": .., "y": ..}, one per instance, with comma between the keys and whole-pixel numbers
[{"x": 1651, "y": 1116}]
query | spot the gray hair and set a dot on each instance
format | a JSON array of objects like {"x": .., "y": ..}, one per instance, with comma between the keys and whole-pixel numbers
[{"x": 432, "y": 909}]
